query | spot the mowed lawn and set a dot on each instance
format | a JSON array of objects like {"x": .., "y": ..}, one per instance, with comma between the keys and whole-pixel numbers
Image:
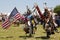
[{"x": 17, "y": 33}]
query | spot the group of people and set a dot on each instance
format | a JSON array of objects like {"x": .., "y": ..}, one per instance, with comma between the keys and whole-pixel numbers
[
  {"x": 47, "y": 19},
  {"x": 48, "y": 22}
]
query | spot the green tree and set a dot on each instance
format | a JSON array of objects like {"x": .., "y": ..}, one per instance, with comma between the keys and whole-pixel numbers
[{"x": 57, "y": 10}]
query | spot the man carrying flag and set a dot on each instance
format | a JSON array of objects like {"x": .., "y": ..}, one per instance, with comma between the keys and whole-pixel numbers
[{"x": 47, "y": 20}]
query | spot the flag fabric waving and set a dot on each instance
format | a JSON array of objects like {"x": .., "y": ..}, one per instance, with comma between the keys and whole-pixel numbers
[
  {"x": 6, "y": 24},
  {"x": 37, "y": 8},
  {"x": 15, "y": 15}
]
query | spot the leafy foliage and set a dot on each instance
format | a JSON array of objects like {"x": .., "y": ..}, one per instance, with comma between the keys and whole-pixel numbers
[{"x": 57, "y": 10}]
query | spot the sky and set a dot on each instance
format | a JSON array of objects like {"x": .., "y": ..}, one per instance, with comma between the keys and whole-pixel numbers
[{"x": 6, "y": 6}]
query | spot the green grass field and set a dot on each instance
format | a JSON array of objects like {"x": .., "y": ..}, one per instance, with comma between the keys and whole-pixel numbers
[{"x": 17, "y": 33}]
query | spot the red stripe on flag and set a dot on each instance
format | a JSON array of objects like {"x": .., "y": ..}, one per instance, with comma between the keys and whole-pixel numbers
[
  {"x": 40, "y": 14},
  {"x": 6, "y": 24},
  {"x": 17, "y": 16}
]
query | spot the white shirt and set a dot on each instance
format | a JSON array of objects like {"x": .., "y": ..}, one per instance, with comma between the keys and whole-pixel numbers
[
  {"x": 53, "y": 15},
  {"x": 29, "y": 24}
]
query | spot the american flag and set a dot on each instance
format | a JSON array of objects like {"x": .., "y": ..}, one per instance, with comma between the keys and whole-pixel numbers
[
  {"x": 15, "y": 14},
  {"x": 6, "y": 24}
]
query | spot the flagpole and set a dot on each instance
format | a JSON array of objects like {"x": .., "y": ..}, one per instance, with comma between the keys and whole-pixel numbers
[{"x": 45, "y": 5}]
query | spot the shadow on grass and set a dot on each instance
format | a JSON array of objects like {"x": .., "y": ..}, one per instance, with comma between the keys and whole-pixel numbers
[
  {"x": 9, "y": 37},
  {"x": 42, "y": 37},
  {"x": 6, "y": 37},
  {"x": 25, "y": 37}
]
